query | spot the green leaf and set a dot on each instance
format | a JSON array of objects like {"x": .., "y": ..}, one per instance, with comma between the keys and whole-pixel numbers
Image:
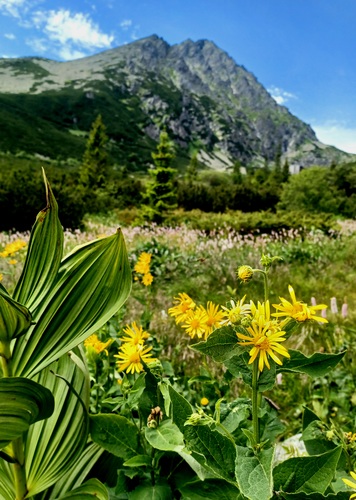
[
  {"x": 139, "y": 461},
  {"x": 221, "y": 345},
  {"x": 317, "y": 365},
  {"x": 92, "y": 284},
  {"x": 315, "y": 440},
  {"x": 44, "y": 254},
  {"x": 341, "y": 495},
  {"x": 212, "y": 489},
  {"x": 136, "y": 391},
  {"x": 181, "y": 409},
  {"x": 239, "y": 367},
  {"x": 307, "y": 474},
  {"x": 166, "y": 437},
  {"x": 15, "y": 318},
  {"x": 308, "y": 417},
  {"x": 254, "y": 473},
  {"x": 93, "y": 488},
  {"x": 148, "y": 492},
  {"x": 22, "y": 403},
  {"x": 54, "y": 446},
  {"x": 115, "y": 434}
]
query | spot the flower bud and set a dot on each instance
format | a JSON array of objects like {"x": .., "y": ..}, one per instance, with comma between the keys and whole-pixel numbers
[{"x": 245, "y": 273}]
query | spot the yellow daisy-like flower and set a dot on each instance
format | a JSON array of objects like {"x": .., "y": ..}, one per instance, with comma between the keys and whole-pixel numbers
[
  {"x": 135, "y": 334},
  {"x": 147, "y": 279},
  {"x": 204, "y": 401},
  {"x": 351, "y": 484},
  {"x": 236, "y": 312},
  {"x": 245, "y": 273},
  {"x": 213, "y": 317},
  {"x": 195, "y": 323},
  {"x": 130, "y": 358},
  {"x": 97, "y": 345},
  {"x": 13, "y": 247},
  {"x": 265, "y": 339},
  {"x": 142, "y": 266},
  {"x": 298, "y": 310},
  {"x": 184, "y": 304}
]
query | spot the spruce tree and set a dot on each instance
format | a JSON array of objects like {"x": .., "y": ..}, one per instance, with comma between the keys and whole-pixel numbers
[
  {"x": 161, "y": 190},
  {"x": 94, "y": 167}
]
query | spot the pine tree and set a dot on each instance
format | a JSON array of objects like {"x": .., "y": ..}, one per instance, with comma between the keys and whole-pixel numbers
[
  {"x": 192, "y": 169},
  {"x": 161, "y": 190},
  {"x": 94, "y": 168}
]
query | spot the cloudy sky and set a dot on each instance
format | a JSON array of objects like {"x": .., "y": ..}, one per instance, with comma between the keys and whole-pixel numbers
[{"x": 302, "y": 51}]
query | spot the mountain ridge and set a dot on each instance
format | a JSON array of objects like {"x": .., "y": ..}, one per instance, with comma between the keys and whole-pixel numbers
[{"x": 207, "y": 102}]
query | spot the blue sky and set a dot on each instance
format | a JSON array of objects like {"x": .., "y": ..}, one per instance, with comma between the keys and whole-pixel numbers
[{"x": 302, "y": 51}]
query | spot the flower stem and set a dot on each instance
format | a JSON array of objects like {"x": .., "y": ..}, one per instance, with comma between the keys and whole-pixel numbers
[
  {"x": 19, "y": 469},
  {"x": 255, "y": 403}
]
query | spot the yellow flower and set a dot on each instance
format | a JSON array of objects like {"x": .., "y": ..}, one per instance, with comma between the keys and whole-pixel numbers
[
  {"x": 236, "y": 312},
  {"x": 142, "y": 266},
  {"x": 245, "y": 273},
  {"x": 297, "y": 309},
  {"x": 12, "y": 248},
  {"x": 213, "y": 317},
  {"x": 184, "y": 304},
  {"x": 135, "y": 334},
  {"x": 1, "y": 276},
  {"x": 351, "y": 484},
  {"x": 265, "y": 339},
  {"x": 195, "y": 323},
  {"x": 147, "y": 279},
  {"x": 93, "y": 342},
  {"x": 12, "y": 262},
  {"x": 204, "y": 401},
  {"x": 130, "y": 357}
]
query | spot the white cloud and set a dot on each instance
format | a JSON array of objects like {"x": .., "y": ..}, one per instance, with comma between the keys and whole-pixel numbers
[
  {"x": 281, "y": 96},
  {"x": 10, "y": 36},
  {"x": 337, "y": 134},
  {"x": 38, "y": 45},
  {"x": 126, "y": 24},
  {"x": 12, "y": 7}
]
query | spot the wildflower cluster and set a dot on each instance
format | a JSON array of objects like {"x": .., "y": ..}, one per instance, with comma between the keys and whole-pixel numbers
[
  {"x": 95, "y": 346},
  {"x": 142, "y": 268},
  {"x": 197, "y": 321},
  {"x": 12, "y": 248},
  {"x": 133, "y": 350}
]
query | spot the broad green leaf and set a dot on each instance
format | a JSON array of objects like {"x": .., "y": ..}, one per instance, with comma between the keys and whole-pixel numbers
[
  {"x": 212, "y": 449},
  {"x": 139, "y": 461},
  {"x": 22, "y": 403},
  {"x": 149, "y": 492},
  {"x": 307, "y": 474},
  {"x": 315, "y": 440},
  {"x": 166, "y": 437},
  {"x": 54, "y": 446},
  {"x": 151, "y": 396},
  {"x": 254, "y": 473},
  {"x": 136, "y": 391},
  {"x": 7, "y": 486},
  {"x": 78, "y": 472},
  {"x": 181, "y": 409},
  {"x": 93, "y": 488},
  {"x": 44, "y": 255},
  {"x": 341, "y": 495},
  {"x": 221, "y": 345},
  {"x": 308, "y": 417},
  {"x": 200, "y": 470},
  {"x": 92, "y": 284},
  {"x": 211, "y": 489},
  {"x": 239, "y": 366},
  {"x": 15, "y": 318},
  {"x": 115, "y": 434},
  {"x": 317, "y": 365}
]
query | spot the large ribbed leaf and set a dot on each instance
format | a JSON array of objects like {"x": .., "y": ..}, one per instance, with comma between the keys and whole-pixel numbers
[
  {"x": 92, "y": 284},
  {"x": 93, "y": 488},
  {"x": 15, "y": 318},
  {"x": 22, "y": 403},
  {"x": 54, "y": 446},
  {"x": 43, "y": 256}
]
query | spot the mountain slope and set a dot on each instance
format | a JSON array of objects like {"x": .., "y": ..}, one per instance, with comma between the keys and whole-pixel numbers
[{"x": 205, "y": 100}]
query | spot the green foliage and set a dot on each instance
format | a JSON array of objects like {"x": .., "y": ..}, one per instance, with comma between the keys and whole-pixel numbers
[{"x": 93, "y": 171}]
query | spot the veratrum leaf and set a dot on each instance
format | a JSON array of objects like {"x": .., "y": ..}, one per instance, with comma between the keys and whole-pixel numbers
[
  {"x": 15, "y": 318},
  {"x": 53, "y": 446},
  {"x": 93, "y": 488},
  {"x": 115, "y": 434},
  {"x": 307, "y": 474},
  {"x": 22, "y": 403},
  {"x": 221, "y": 344},
  {"x": 317, "y": 365},
  {"x": 254, "y": 473},
  {"x": 44, "y": 255},
  {"x": 92, "y": 284}
]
